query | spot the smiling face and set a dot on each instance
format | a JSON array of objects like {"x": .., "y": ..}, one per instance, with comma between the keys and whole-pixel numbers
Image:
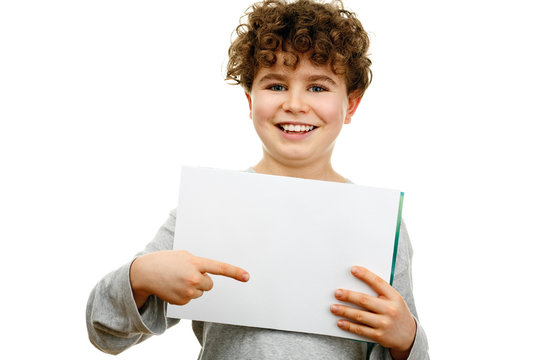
[{"x": 299, "y": 113}]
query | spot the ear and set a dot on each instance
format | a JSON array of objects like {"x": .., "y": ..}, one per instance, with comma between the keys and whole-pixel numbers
[
  {"x": 249, "y": 102},
  {"x": 353, "y": 102}
]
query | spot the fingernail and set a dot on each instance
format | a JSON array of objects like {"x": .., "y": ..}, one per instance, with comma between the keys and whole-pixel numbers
[
  {"x": 339, "y": 293},
  {"x": 245, "y": 277},
  {"x": 355, "y": 270},
  {"x": 340, "y": 323},
  {"x": 333, "y": 308}
]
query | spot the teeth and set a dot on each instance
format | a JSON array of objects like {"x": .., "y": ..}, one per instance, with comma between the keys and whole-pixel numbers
[{"x": 296, "y": 128}]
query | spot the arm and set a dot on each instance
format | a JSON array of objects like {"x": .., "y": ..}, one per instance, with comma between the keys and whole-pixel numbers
[
  {"x": 391, "y": 319},
  {"x": 128, "y": 305},
  {"x": 113, "y": 319}
]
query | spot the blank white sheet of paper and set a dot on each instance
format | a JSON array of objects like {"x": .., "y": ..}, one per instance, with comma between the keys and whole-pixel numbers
[{"x": 297, "y": 238}]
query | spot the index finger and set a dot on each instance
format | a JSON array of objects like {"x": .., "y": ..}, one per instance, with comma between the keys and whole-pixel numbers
[
  {"x": 220, "y": 268},
  {"x": 378, "y": 284}
]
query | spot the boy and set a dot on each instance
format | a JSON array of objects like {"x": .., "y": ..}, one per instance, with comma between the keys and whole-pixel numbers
[{"x": 304, "y": 69}]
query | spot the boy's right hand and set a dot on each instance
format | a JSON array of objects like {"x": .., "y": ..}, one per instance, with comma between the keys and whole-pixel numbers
[{"x": 176, "y": 276}]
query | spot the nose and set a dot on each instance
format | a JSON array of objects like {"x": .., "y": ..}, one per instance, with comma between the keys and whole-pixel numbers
[{"x": 295, "y": 102}]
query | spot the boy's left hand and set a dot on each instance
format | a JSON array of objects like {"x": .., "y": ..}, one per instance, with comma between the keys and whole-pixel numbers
[{"x": 385, "y": 318}]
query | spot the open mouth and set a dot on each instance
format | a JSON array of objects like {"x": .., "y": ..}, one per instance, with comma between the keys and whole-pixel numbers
[{"x": 296, "y": 129}]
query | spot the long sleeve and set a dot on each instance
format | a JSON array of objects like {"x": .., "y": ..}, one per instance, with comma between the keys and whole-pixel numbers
[
  {"x": 403, "y": 284},
  {"x": 113, "y": 321}
]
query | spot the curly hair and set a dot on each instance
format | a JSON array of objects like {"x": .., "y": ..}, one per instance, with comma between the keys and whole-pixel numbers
[{"x": 328, "y": 33}]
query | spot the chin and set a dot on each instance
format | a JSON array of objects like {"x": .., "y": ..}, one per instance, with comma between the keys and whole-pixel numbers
[{"x": 296, "y": 160}]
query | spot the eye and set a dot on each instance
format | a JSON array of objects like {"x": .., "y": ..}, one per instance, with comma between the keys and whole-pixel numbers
[
  {"x": 317, "y": 88},
  {"x": 276, "y": 87}
]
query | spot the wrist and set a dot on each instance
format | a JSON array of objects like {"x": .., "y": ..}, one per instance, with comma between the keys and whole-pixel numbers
[
  {"x": 140, "y": 293},
  {"x": 403, "y": 353}
]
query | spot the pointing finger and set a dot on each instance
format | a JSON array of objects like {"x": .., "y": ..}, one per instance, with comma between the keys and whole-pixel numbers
[{"x": 224, "y": 269}]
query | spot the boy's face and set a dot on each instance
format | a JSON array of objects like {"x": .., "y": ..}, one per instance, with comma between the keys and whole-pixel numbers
[{"x": 299, "y": 113}]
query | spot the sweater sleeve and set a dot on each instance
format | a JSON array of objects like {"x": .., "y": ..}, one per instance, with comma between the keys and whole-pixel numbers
[
  {"x": 113, "y": 321},
  {"x": 403, "y": 284}
]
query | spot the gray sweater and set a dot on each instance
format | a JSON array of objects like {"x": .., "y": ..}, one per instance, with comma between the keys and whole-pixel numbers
[{"x": 115, "y": 324}]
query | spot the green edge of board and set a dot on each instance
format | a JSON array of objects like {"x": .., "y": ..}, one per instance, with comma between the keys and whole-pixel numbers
[{"x": 396, "y": 241}]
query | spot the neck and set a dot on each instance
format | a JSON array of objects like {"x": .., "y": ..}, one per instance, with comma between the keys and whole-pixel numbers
[{"x": 323, "y": 171}]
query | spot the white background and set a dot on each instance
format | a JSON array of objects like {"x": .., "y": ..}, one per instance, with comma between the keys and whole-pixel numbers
[{"x": 101, "y": 102}]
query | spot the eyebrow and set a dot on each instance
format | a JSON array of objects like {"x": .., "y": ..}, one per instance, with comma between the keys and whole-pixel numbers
[
  {"x": 312, "y": 78},
  {"x": 322, "y": 78}
]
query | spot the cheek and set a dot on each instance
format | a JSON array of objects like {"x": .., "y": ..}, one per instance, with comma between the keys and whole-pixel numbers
[
  {"x": 262, "y": 110},
  {"x": 332, "y": 111}
]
